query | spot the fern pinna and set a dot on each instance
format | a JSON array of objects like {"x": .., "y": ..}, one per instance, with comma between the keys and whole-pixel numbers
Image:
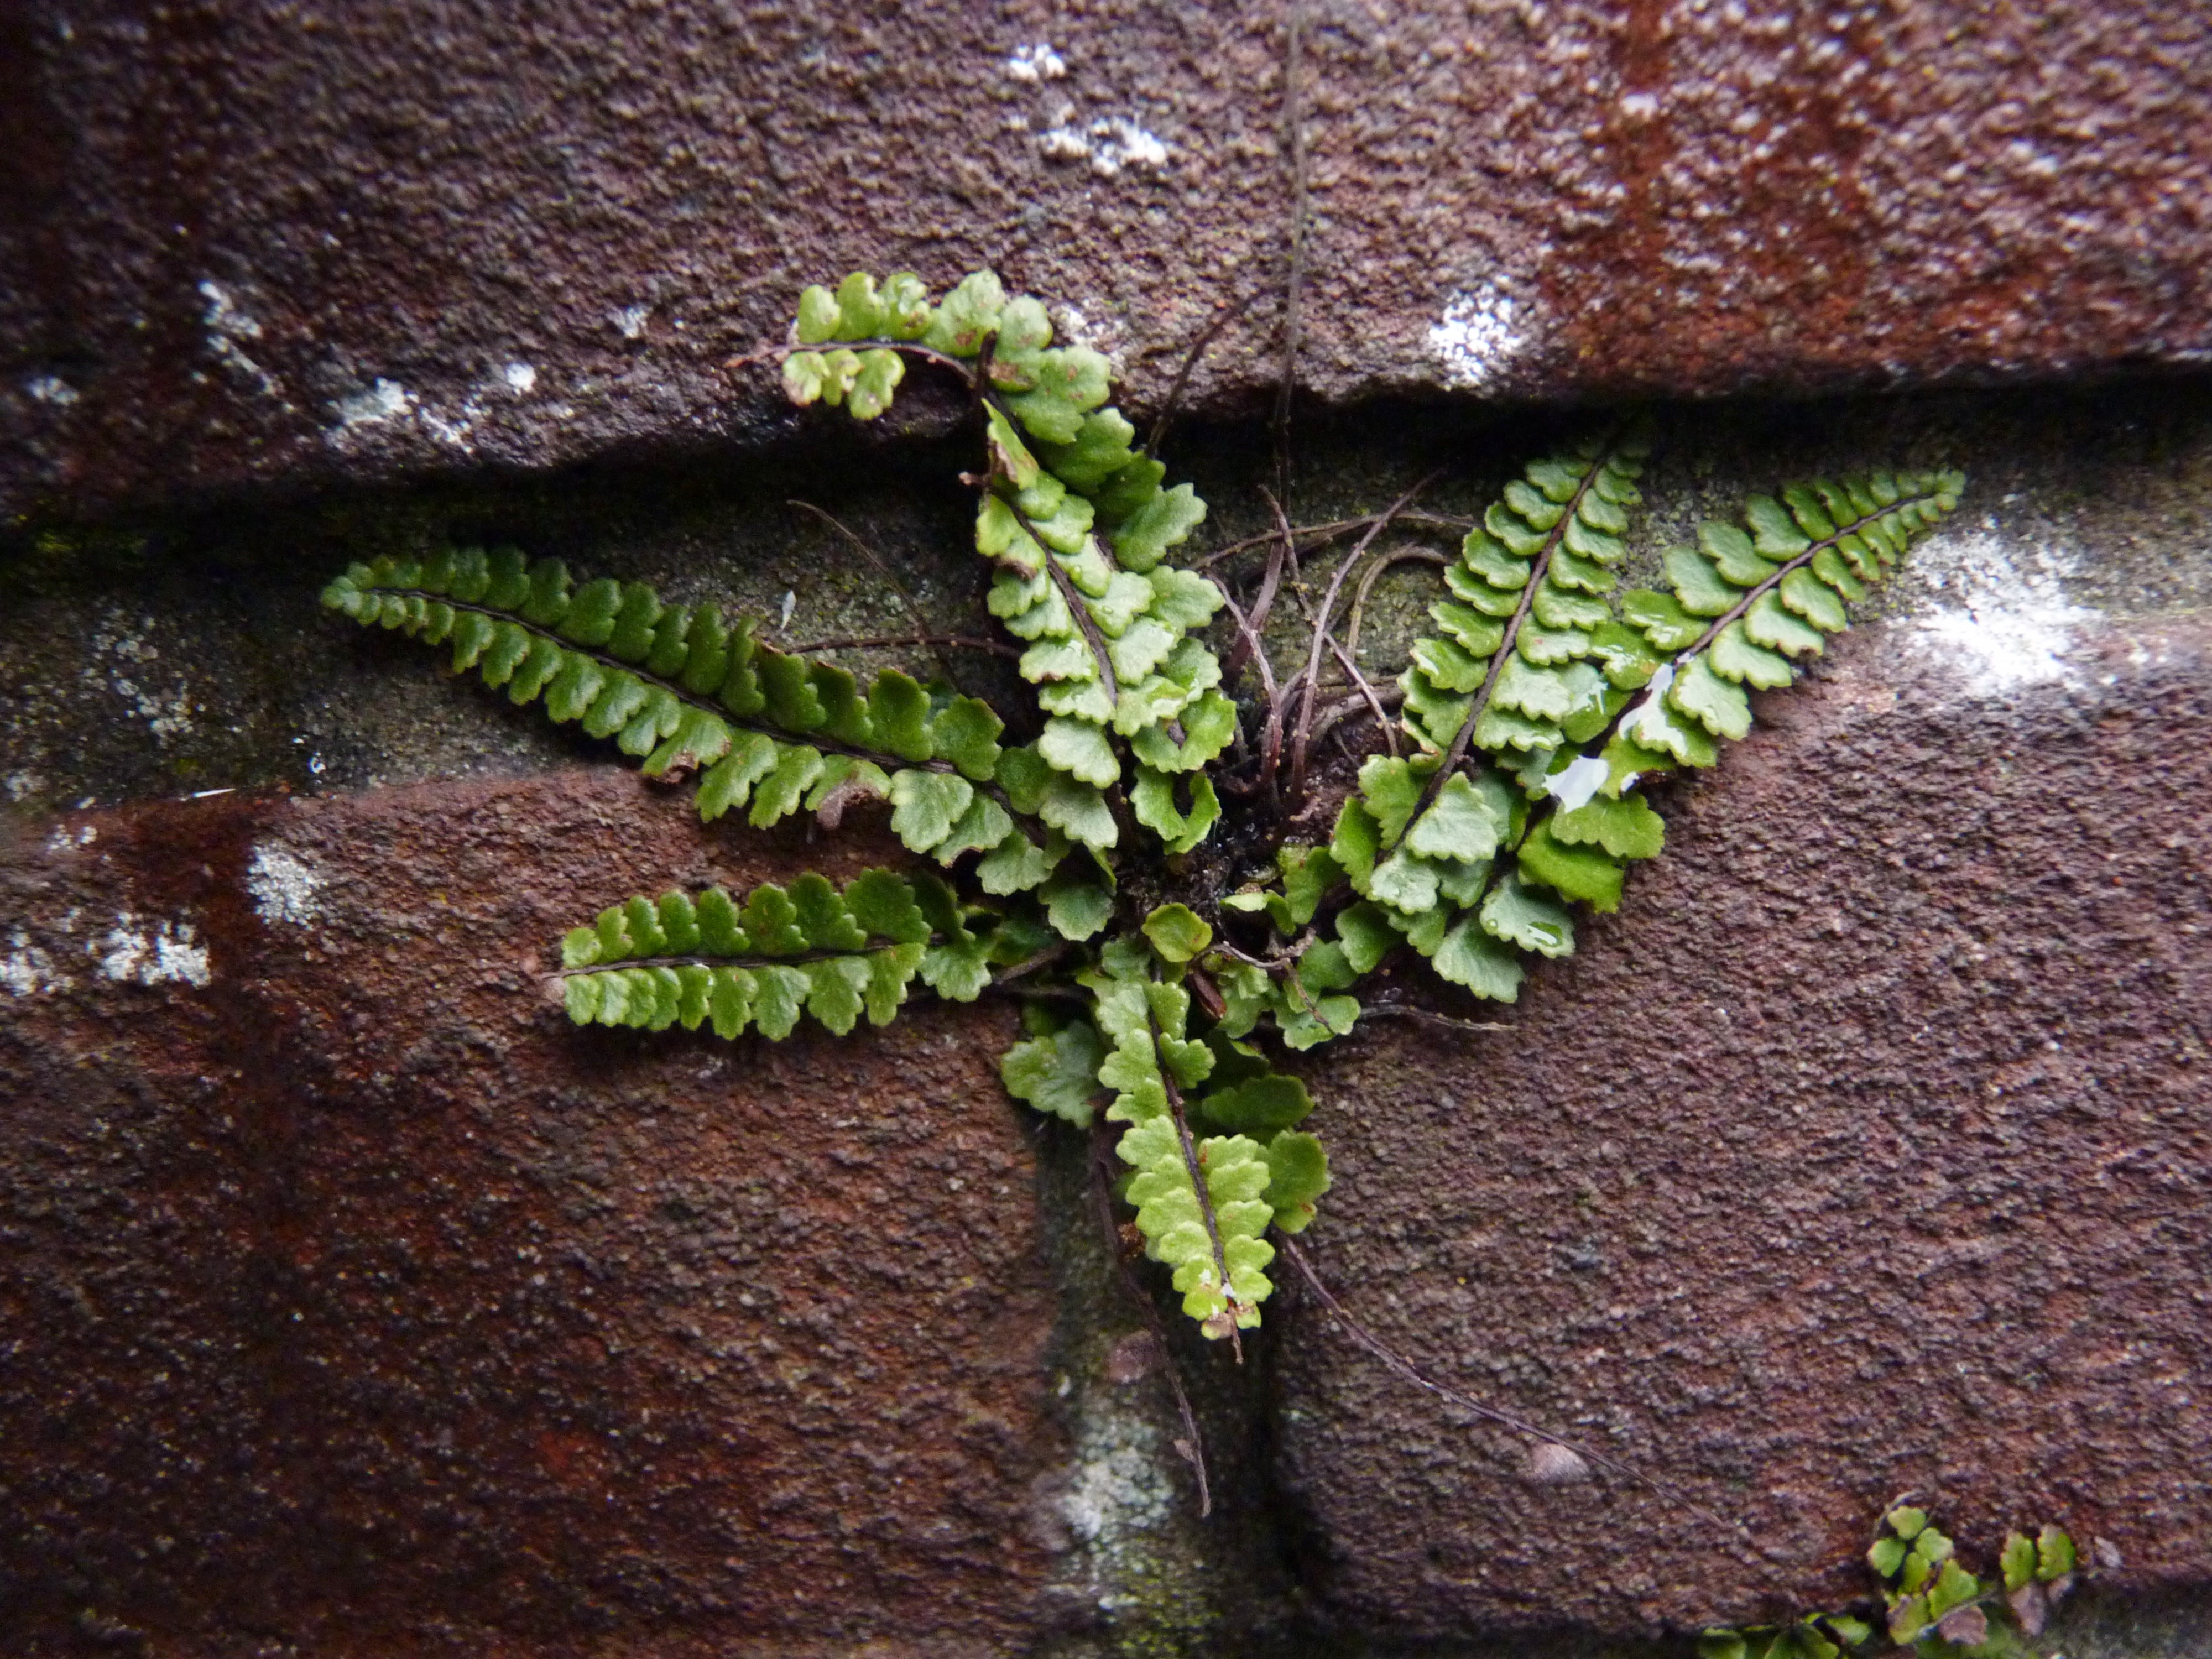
[{"x": 1510, "y": 789}]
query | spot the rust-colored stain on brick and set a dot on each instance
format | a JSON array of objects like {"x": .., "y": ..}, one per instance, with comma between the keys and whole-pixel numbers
[
  {"x": 242, "y": 243},
  {"x": 352, "y": 1297}
]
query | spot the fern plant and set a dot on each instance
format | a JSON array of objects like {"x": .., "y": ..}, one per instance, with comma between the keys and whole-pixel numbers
[
  {"x": 1169, "y": 968},
  {"x": 1935, "y": 1607}
]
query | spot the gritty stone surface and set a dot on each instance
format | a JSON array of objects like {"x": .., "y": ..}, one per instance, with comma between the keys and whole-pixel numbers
[
  {"x": 1858, "y": 1154},
  {"x": 293, "y": 1136},
  {"x": 242, "y": 242},
  {"x": 355, "y": 1298}
]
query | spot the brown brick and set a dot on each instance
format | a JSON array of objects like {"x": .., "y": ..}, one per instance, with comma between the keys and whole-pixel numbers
[
  {"x": 355, "y": 1299},
  {"x": 247, "y": 243},
  {"x": 1863, "y": 1151}
]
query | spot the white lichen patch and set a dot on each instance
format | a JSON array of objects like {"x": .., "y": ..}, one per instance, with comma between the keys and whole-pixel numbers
[
  {"x": 1479, "y": 337},
  {"x": 170, "y": 717},
  {"x": 228, "y": 322},
  {"x": 51, "y": 389},
  {"x": 1993, "y": 609},
  {"x": 1122, "y": 1504},
  {"x": 1033, "y": 64},
  {"x": 135, "y": 953},
  {"x": 385, "y": 400},
  {"x": 1063, "y": 143},
  {"x": 1117, "y": 144},
  {"x": 1646, "y": 722},
  {"x": 283, "y": 886},
  {"x": 458, "y": 431},
  {"x": 521, "y": 379},
  {"x": 224, "y": 316},
  {"x": 1112, "y": 145},
  {"x": 395, "y": 408},
  {"x": 630, "y": 321},
  {"x": 1120, "y": 1485},
  {"x": 122, "y": 655},
  {"x": 1102, "y": 332},
  {"x": 25, "y": 969}
]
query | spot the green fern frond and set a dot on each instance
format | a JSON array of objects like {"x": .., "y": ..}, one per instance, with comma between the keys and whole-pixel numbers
[
  {"x": 1304, "y": 995},
  {"x": 1526, "y": 665},
  {"x": 707, "y": 958},
  {"x": 863, "y": 381},
  {"x": 1202, "y": 1204},
  {"x": 1245, "y": 1096},
  {"x": 1516, "y": 671},
  {"x": 1474, "y": 852},
  {"x": 1826, "y": 1636},
  {"x": 1751, "y": 600},
  {"x": 682, "y": 690},
  {"x": 1934, "y": 1604},
  {"x": 1075, "y": 520},
  {"x": 1475, "y": 867},
  {"x": 1746, "y": 606},
  {"x": 1056, "y": 1070}
]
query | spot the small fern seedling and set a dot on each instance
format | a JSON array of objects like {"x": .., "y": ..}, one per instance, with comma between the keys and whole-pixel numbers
[
  {"x": 1934, "y": 1606},
  {"x": 1184, "y": 965}
]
